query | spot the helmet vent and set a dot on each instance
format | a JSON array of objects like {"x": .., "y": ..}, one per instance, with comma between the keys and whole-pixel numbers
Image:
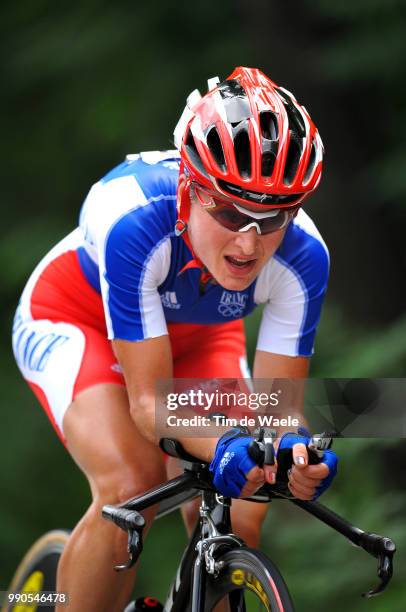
[
  {"x": 269, "y": 125},
  {"x": 292, "y": 159},
  {"x": 216, "y": 149},
  {"x": 269, "y": 130},
  {"x": 296, "y": 123},
  {"x": 231, "y": 88},
  {"x": 312, "y": 162},
  {"x": 268, "y": 163},
  {"x": 193, "y": 153},
  {"x": 235, "y": 101},
  {"x": 243, "y": 153}
]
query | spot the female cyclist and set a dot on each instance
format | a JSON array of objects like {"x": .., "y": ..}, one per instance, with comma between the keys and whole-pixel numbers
[{"x": 173, "y": 249}]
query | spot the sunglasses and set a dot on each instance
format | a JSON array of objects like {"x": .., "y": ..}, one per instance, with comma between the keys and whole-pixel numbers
[{"x": 233, "y": 217}]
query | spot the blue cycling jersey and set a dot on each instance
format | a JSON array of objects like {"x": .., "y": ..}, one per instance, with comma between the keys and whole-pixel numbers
[{"x": 130, "y": 254}]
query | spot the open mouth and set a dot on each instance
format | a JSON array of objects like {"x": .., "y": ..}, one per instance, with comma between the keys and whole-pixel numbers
[{"x": 243, "y": 265}]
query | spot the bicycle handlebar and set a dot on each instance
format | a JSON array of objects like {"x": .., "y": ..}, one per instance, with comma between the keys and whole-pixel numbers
[
  {"x": 378, "y": 546},
  {"x": 197, "y": 477}
]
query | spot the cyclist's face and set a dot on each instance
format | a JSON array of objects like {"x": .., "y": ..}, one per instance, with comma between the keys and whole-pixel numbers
[{"x": 233, "y": 258}]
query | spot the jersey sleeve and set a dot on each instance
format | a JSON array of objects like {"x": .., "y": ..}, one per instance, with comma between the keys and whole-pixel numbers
[
  {"x": 134, "y": 267},
  {"x": 293, "y": 286},
  {"x": 130, "y": 237}
]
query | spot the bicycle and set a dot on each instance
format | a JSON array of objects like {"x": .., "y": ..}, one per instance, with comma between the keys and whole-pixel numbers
[{"x": 217, "y": 566}]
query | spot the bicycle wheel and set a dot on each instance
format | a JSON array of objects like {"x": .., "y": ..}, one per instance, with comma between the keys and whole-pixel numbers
[
  {"x": 37, "y": 571},
  {"x": 248, "y": 582}
]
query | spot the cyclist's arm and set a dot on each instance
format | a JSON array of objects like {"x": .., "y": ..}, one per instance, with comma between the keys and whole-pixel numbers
[
  {"x": 302, "y": 479},
  {"x": 268, "y": 366},
  {"x": 143, "y": 364}
]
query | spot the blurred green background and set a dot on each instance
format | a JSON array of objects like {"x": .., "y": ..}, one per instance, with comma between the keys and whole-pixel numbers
[{"x": 84, "y": 84}]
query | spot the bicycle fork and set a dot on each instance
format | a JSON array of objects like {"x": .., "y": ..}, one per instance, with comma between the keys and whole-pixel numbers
[
  {"x": 211, "y": 528},
  {"x": 188, "y": 589}
]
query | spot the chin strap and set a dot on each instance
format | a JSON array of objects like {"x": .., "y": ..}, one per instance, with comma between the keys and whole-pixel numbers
[{"x": 183, "y": 207}]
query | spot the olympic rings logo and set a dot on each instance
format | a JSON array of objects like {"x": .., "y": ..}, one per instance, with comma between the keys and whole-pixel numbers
[{"x": 231, "y": 310}]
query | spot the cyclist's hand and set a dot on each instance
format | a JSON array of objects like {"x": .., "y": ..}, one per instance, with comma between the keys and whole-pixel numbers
[
  {"x": 235, "y": 473},
  {"x": 256, "y": 477},
  {"x": 308, "y": 481}
]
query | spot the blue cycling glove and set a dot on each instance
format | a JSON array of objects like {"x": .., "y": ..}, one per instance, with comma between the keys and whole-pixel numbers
[
  {"x": 232, "y": 462},
  {"x": 329, "y": 457}
]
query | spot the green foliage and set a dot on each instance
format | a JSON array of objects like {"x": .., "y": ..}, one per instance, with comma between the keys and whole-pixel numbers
[
  {"x": 369, "y": 52},
  {"x": 349, "y": 351}
]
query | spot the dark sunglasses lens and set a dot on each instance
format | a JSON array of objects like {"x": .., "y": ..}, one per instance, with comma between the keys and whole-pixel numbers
[
  {"x": 233, "y": 220},
  {"x": 228, "y": 217},
  {"x": 273, "y": 224}
]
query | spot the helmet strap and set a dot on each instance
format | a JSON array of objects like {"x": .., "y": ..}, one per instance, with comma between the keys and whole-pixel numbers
[{"x": 183, "y": 207}]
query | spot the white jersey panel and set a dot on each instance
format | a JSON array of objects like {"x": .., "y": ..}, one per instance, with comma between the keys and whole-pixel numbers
[
  {"x": 283, "y": 315},
  {"x": 156, "y": 270},
  {"x": 104, "y": 205},
  {"x": 292, "y": 286},
  {"x": 43, "y": 351}
]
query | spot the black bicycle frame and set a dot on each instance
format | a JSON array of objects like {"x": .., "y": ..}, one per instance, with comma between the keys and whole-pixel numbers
[
  {"x": 191, "y": 571},
  {"x": 194, "y": 481},
  {"x": 197, "y": 480}
]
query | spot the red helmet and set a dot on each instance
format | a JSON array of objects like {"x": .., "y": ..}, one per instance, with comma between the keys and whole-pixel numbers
[{"x": 251, "y": 141}]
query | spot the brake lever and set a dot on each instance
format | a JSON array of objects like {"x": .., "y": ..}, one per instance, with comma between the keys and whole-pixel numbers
[
  {"x": 385, "y": 571},
  {"x": 134, "y": 549},
  {"x": 133, "y": 523},
  {"x": 262, "y": 450},
  {"x": 387, "y": 548}
]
